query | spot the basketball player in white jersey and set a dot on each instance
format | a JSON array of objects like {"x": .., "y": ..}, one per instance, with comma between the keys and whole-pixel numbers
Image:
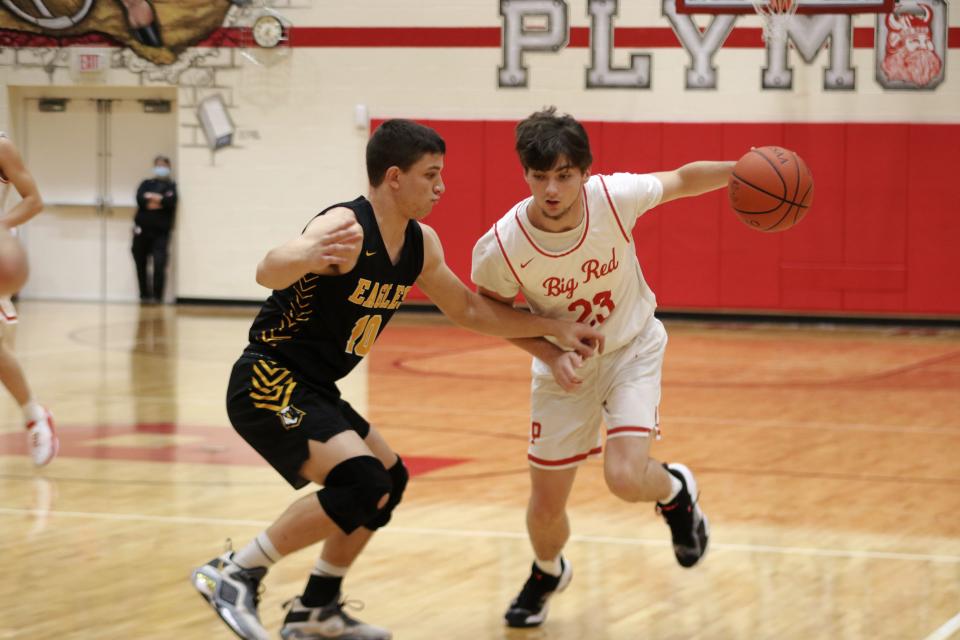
[
  {"x": 569, "y": 250},
  {"x": 42, "y": 439}
]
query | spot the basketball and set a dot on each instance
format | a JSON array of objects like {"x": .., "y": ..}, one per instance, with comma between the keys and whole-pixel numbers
[
  {"x": 771, "y": 189},
  {"x": 13, "y": 264}
]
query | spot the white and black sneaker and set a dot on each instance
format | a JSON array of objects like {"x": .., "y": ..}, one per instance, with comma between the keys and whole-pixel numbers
[
  {"x": 529, "y": 608},
  {"x": 688, "y": 525},
  {"x": 233, "y": 592},
  {"x": 330, "y": 621}
]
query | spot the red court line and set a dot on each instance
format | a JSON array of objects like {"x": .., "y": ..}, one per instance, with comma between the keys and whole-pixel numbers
[
  {"x": 826, "y": 475},
  {"x": 408, "y": 364},
  {"x": 206, "y": 445}
]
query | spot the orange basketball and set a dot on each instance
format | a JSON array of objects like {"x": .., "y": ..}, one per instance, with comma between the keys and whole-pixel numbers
[
  {"x": 771, "y": 189},
  {"x": 13, "y": 264}
]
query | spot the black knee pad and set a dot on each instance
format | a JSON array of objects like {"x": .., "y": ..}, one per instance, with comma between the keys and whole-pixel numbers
[
  {"x": 399, "y": 476},
  {"x": 353, "y": 490}
]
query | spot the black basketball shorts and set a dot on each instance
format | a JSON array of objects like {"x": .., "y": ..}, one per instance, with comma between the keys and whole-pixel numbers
[{"x": 277, "y": 413}]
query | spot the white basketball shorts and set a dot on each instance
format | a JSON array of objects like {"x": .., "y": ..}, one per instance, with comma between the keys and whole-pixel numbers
[{"x": 620, "y": 389}]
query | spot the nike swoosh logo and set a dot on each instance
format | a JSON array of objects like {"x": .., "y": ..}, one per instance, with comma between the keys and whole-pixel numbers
[
  {"x": 524, "y": 265},
  {"x": 369, "y": 253}
]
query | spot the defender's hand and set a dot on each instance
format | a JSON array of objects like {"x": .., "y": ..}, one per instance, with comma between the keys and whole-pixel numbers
[{"x": 574, "y": 336}]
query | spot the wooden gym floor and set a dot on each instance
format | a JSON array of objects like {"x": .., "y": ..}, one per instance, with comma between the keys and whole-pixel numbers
[{"x": 828, "y": 458}]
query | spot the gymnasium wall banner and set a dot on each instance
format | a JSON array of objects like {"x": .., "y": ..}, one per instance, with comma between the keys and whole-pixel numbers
[
  {"x": 910, "y": 44},
  {"x": 155, "y": 31},
  {"x": 910, "y": 39}
]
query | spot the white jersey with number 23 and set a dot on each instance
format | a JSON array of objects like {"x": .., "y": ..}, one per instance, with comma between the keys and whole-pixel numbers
[{"x": 591, "y": 273}]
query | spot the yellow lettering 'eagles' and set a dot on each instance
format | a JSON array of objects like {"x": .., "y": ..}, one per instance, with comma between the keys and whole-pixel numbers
[{"x": 374, "y": 295}]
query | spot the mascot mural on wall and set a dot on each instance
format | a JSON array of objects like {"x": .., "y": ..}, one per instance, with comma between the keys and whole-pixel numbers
[
  {"x": 156, "y": 30},
  {"x": 910, "y": 55}
]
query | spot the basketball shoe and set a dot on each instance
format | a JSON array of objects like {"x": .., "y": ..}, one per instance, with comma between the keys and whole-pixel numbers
[
  {"x": 233, "y": 592},
  {"x": 42, "y": 439},
  {"x": 330, "y": 621},
  {"x": 529, "y": 609},
  {"x": 688, "y": 526}
]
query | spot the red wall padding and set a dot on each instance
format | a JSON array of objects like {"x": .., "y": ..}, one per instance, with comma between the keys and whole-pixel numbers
[{"x": 882, "y": 237}]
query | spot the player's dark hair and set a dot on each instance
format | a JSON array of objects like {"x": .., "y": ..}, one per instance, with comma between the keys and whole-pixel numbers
[
  {"x": 399, "y": 143},
  {"x": 545, "y": 136}
]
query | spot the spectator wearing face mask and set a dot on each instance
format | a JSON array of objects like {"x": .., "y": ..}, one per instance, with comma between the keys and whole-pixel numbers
[{"x": 156, "y": 207}]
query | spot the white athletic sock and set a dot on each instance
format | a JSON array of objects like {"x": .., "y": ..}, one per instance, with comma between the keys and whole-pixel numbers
[
  {"x": 551, "y": 567},
  {"x": 260, "y": 552},
  {"x": 32, "y": 411},
  {"x": 675, "y": 487},
  {"x": 324, "y": 568}
]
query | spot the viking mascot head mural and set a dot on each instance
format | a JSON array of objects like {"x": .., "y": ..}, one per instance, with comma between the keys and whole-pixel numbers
[{"x": 910, "y": 56}]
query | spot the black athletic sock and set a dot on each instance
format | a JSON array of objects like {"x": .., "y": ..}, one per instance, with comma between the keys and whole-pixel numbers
[{"x": 321, "y": 590}]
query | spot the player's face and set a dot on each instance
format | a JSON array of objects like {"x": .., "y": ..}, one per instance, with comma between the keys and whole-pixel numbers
[
  {"x": 421, "y": 186},
  {"x": 556, "y": 193}
]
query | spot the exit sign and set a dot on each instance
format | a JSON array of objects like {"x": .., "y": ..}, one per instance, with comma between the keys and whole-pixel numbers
[{"x": 88, "y": 63}]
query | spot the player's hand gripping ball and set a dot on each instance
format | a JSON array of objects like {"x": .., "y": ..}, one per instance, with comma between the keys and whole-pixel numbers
[{"x": 771, "y": 189}]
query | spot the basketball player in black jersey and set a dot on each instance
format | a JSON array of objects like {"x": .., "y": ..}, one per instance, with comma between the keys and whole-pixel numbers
[{"x": 335, "y": 288}]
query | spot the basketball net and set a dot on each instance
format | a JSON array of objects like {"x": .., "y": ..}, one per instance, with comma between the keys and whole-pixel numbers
[{"x": 776, "y": 15}]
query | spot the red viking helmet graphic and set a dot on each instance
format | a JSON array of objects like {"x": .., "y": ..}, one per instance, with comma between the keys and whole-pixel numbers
[{"x": 909, "y": 29}]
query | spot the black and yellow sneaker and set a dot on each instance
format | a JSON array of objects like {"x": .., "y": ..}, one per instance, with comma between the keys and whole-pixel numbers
[
  {"x": 529, "y": 609},
  {"x": 688, "y": 525}
]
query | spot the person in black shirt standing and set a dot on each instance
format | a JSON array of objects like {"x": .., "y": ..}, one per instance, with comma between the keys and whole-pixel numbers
[
  {"x": 156, "y": 208},
  {"x": 335, "y": 287}
]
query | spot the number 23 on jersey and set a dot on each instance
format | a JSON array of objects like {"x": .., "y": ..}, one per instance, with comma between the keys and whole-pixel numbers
[{"x": 597, "y": 312}]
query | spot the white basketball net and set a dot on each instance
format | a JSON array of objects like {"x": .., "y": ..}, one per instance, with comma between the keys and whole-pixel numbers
[{"x": 776, "y": 15}]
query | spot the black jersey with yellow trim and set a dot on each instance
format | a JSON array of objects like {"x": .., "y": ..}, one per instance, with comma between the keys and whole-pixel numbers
[{"x": 322, "y": 326}]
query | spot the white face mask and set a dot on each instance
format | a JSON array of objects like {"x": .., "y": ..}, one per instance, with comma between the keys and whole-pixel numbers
[{"x": 161, "y": 171}]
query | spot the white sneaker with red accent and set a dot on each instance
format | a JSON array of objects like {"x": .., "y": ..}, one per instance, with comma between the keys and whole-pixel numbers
[{"x": 42, "y": 439}]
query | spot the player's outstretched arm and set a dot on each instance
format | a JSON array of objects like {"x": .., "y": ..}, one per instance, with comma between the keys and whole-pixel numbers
[
  {"x": 694, "y": 178},
  {"x": 12, "y": 166},
  {"x": 479, "y": 313},
  {"x": 563, "y": 364},
  {"x": 329, "y": 245}
]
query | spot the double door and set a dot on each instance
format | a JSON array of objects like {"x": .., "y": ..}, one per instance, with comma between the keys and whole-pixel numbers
[{"x": 88, "y": 160}]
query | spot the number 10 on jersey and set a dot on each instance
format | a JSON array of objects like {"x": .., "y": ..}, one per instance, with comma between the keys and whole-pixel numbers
[{"x": 364, "y": 334}]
